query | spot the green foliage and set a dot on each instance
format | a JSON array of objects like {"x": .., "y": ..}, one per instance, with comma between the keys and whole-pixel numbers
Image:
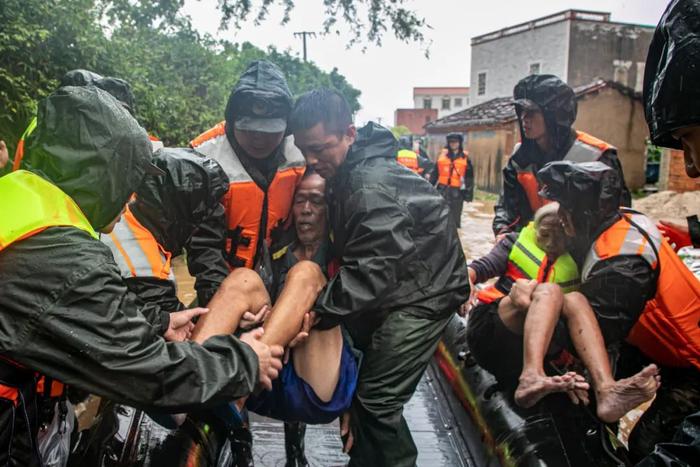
[
  {"x": 181, "y": 79},
  {"x": 400, "y": 131}
]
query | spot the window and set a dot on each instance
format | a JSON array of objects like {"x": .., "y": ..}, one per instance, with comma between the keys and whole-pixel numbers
[
  {"x": 427, "y": 103},
  {"x": 535, "y": 68},
  {"x": 481, "y": 84},
  {"x": 458, "y": 102},
  {"x": 446, "y": 104}
]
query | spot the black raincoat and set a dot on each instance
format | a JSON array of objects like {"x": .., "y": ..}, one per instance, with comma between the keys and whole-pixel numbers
[
  {"x": 183, "y": 212},
  {"x": 558, "y": 104},
  {"x": 402, "y": 275},
  {"x": 618, "y": 289},
  {"x": 64, "y": 309},
  {"x": 672, "y": 73}
]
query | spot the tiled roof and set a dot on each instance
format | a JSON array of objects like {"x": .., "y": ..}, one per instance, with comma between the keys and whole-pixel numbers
[{"x": 501, "y": 110}]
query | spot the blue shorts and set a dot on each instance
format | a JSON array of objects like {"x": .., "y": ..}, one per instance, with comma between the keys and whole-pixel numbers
[{"x": 293, "y": 400}]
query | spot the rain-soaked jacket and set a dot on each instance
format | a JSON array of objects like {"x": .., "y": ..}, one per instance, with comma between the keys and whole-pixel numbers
[
  {"x": 392, "y": 235},
  {"x": 558, "y": 104},
  {"x": 671, "y": 93},
  {"x": 183, "y": 212},
  {"x": 64, "y": 309}
]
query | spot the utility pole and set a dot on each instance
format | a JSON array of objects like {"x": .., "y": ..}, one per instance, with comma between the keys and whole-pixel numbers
[{"x": 303, "y": 35}]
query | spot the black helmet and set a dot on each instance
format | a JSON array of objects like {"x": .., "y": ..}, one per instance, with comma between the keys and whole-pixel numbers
[
  {"x": 672, "y": 73},
  {"x": 117, "y": 87},
  {"x": 591, "y": 191},
  {"x": 455, "y": 136},
  {"x": 405, "y": 142},
  {"x": 550, "y": 94}
]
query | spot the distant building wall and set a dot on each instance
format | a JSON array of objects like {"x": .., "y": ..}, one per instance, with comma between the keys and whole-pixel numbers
[
  {"x": 508, "y": 59},
  {"x": 612, "y": 51},
  {"x": 489, "y": 150},
  {"x": 445, "y": 100},
  {"x": 414, "y": 119},
  {"x": 619, "y": 120},
  {"x": 672, "y": 175}
]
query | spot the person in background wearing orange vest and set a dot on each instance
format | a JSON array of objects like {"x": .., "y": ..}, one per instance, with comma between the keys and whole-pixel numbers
[
  {"x": 524, "y": 318},
  {"x": 64, "y": 308},
  {"x": 263, "y": 165},
  {"x": 407, "y": 156},
  {"x": 638, "y": 288},
  {"x": 455, "y": 176},
  {"x": 546, "y": 109}
]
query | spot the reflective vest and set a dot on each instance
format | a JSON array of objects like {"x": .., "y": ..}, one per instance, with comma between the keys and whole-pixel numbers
[
  {"x": 451, "y": 171},
  {"x": 668, "y": 330},
  {"x": 30, "y": 205},
  {"x": 409, "y": 159},
  {"x": 528, "y": 261},
  {"x": 586, "y": 148},
  {"x": 19, "y": 152},
  {"x": 249, "y": 209},
  {"x": 136, "y": 251}
]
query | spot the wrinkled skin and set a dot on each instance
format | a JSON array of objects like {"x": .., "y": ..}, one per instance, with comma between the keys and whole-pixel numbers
[
  {"x": 309, "y": 210},
  {"x": 323, "y": 151},
  {"x": 551, "y": 236}
]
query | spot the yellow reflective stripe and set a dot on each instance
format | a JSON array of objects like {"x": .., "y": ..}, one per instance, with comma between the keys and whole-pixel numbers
[{"x": 31, "y": 204}]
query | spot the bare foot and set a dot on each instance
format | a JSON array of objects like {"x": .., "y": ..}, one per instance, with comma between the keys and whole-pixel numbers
[
  {"x": 615, "y": 400},
  {"x": 533, "y": 387},
  {"x": 579, "y": 395}
]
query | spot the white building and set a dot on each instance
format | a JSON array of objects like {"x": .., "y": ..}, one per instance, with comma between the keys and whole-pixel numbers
[{"x": 446, "y": 100}]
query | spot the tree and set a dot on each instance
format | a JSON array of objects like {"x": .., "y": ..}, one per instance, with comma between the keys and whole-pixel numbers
[{"x": 400, "y": 131}]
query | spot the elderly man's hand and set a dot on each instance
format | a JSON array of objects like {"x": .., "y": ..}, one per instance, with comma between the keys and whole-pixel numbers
[
  {"x": 250, "y": 320},
  {"x": 521, "y": 293},
  {"x": 4, "y": 155}
]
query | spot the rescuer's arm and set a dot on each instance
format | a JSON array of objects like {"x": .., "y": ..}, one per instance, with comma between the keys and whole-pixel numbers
[
  {"x": 90, "y": 333},
  {"x": 378, "y": 249},
  {"x": 205, "y": 255},
  {"x": 506, "y": 209},
  {"x": 610, "y": 158},
  {"x": 617, "y": 290},
  {"x": 468, "y": 191},
  {"x": 494, "y": 264}
]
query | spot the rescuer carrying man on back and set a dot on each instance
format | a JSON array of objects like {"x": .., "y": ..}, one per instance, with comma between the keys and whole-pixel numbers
[
  {"x": 64, "y": 308},
  {"x": 546, "y": 109},
  {"x": 638, "y": 288},
  {"x": 455, "y": 176}
]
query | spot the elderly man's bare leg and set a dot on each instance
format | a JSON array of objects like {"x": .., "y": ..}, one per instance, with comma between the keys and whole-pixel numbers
[{"x": 242, "y": 291}]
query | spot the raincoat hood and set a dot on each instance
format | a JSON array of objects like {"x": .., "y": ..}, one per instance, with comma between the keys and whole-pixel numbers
[
  {"x": 555, "y": 99},
  {"x": 89, "y": 146},
  {"x": 591, "y": 191},
  {"x": 117, "y": 87},
  {"x": 261, "y": 92},
  {"x": 672, "y": 73},
  {"x": 372, "y": 141},
  {"x": 174, "y": 205}
]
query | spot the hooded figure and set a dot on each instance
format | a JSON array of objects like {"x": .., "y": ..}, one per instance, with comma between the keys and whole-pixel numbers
[
  {"x": 64, "y": 310},
  {"x": 454, "y": 176},
  {"x": 546, "y": 110},
  {"x": 177, "y": 211},
  {"x": 671, "y": 93},
  {"x": 638, "y": 288},
  {"x": 264, "y": 167}
]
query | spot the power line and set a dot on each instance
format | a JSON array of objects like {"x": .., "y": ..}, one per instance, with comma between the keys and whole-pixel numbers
[{"x": 303, "y": 35}]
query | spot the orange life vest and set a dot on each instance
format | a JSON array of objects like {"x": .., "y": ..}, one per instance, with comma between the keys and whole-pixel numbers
[
  {"x": 248, "y": 207},
  {"x": 451, "y": 171},
  {"x": 586, "y": 148},
  {"x": 667, "y": 331},
  {"x": 409, "y": 159},
  {"x": 136, "y": 251}
]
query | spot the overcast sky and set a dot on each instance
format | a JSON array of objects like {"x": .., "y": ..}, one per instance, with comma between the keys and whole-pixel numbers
[{"x": 386, "y": 75}]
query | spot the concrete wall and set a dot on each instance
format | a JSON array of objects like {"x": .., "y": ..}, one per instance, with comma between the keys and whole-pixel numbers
[
  {"x": 611, "y": 51},
  {"x": 436, "y": 102},
  {"x": 673, "y": 176},
  {"x": 489, "y": 149},
  {"x": 619, "y": 120},
  {"x": 507, "y": 60}
]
